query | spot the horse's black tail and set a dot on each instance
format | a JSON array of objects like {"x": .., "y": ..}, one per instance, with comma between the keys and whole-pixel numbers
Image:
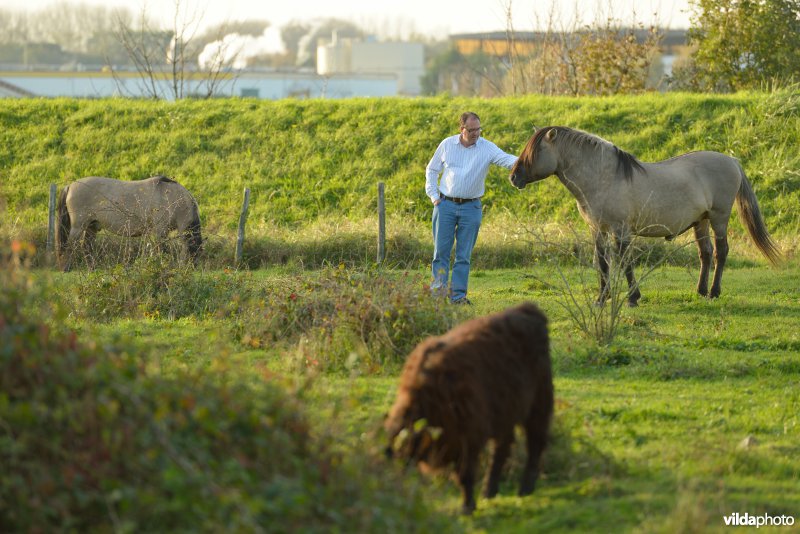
[
  {"x": 750, "y": 215},
  {"x": 64, "y": 223}
]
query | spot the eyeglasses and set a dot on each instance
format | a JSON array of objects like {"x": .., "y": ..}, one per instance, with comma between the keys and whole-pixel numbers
[{"x": 472, "y": 130}]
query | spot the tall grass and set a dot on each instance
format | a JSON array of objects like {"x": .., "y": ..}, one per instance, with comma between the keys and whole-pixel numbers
[{"x": 339, "y": 319}]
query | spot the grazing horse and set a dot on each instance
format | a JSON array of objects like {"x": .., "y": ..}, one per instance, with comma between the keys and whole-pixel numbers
[
  {"x": 621, "y": 196},
  {"x": 156, "y": 205}
]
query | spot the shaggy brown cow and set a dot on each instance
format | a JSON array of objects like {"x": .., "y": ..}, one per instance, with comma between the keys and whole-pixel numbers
[{"x": 472, "y": 384}]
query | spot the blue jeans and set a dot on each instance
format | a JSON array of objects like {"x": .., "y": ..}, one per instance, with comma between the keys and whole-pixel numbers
[{"x": 459, "y": 223}]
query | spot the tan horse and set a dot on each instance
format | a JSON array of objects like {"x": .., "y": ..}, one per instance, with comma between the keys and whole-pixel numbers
[
  {"x": 620, "y": 196},
  {"x": 155, "y": 205}
]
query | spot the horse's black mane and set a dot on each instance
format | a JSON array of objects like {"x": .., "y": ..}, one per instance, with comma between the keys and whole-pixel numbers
[
  {"x": 159, "y": 178},
  {"x": 625, "y": 160}
]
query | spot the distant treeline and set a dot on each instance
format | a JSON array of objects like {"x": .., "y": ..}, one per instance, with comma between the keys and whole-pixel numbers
[{"x": 89, "y": 36}]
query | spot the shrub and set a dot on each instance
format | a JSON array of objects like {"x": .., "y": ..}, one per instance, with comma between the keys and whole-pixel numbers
[
  {"x": 92, "y": 441},
  {"x": 596, "y": 316},
  {"x": 154, "y": 286},
  {"x": 346, "y": 318}
]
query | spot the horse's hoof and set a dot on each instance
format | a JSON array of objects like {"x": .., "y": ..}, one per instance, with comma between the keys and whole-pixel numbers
[
  {"x": 633, "y": 304},
  {"x": 526, "y": 489}
]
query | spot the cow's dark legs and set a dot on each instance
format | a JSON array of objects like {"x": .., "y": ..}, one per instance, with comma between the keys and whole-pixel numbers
[
  {"x": 705, "y": 250},
  {"x": 720, "y": 255},
  {"x": 502, "y": 448},
  {"x": 466, "y": 478},
  {"x": 536, "y": 432}
]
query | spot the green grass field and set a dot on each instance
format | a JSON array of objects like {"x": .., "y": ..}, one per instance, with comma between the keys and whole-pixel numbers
[
  {"x": 648, "y": 433},
  {"x": 687, "y": 415},
  {"x": 692, "y": 413}
]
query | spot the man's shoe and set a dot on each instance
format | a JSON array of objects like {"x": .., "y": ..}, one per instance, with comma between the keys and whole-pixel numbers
[{"x": 462, "y": 301}]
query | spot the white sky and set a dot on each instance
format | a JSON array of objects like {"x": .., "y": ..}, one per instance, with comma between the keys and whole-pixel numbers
[{"x": 399, "y": 17}]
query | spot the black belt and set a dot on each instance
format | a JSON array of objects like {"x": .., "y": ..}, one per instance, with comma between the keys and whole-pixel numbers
[{"x": 456, "y": 199}]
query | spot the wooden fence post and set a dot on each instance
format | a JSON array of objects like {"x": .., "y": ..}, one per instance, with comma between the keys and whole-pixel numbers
[
  {"x": 51, "y": 223},
  {"x": 381, "y": 223},
  {"x": 242, "y": 221}
]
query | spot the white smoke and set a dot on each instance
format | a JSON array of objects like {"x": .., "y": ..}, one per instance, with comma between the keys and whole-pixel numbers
[
  {"x": 235, "y": 49},
  {"x": 307, "y": 45}
]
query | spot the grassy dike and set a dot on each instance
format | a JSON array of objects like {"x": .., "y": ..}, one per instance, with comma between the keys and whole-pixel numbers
[
  {"x": 313, "y": 165},
  {"x": 688, "y": 416}
]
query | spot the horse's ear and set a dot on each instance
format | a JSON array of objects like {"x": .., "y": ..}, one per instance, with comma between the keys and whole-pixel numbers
[{"x": 551, "y": 134}]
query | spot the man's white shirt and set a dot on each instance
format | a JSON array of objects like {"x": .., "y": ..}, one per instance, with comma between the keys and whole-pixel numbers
[{"x": 463, "y": 169}]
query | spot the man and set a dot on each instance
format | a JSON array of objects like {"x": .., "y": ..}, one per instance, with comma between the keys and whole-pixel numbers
[{"x": 462, "y": 161}]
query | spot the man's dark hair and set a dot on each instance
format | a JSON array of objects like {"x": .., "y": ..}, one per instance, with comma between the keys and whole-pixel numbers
[{"x": 466, "y": 116}]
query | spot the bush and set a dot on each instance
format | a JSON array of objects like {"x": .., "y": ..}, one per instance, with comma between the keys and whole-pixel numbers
[
  {"x": 342, "y": 319},
  {"x": 155, "y": 286},
  {"x": 92, "y": 441},
  {"x": 347, "y": 318}
]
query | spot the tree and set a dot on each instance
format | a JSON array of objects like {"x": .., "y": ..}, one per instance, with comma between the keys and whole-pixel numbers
[
  {"x": 33, "y": 54},
  {"x": 81, "y": 34},
  {"x": 601, "y": 58},
  {"x": 13, "y": 27},
  {"x": 467, "y": 75},
  {"x": 73, "y": 25},
  {"x": 107, "y": 49},
  {"x": 165, "y": 60},
  {"x": 742, "y": 44},
  {"x": 609, "y": 59},
  {"x": 567, "y": 58}
]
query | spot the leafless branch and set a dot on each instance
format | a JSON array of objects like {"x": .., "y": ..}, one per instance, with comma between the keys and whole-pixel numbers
[{"x": 167, "y": 56}]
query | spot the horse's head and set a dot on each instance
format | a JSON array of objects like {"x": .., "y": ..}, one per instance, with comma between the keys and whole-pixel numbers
[
  {"x": 538, "y": 159},
  {"x": 193, "y": 235},
  {"x": 194, "y": 243}
]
